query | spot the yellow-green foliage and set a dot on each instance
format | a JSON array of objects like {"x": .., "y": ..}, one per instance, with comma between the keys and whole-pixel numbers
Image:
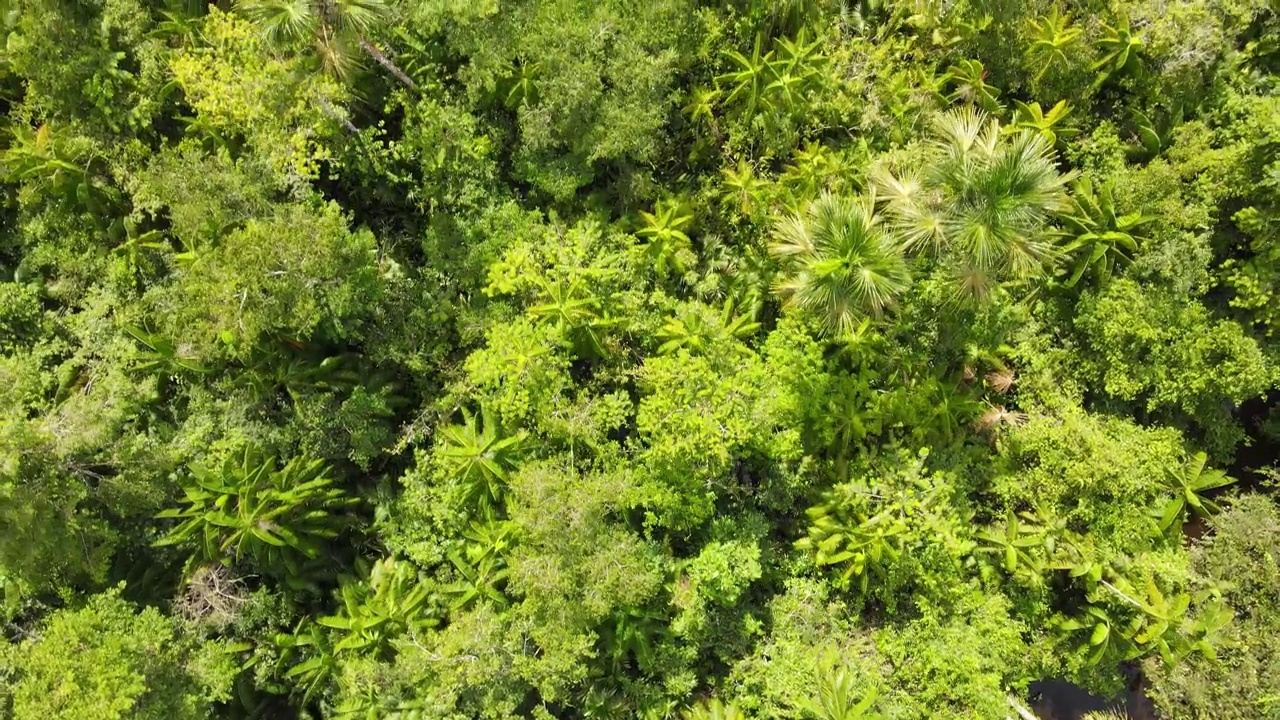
[
  {"x": 1099, "y": 471},
  {"x": 239, "y": 88},
  {"x": 1170, "y": 355},
  {"x": 106, "y": 660}
]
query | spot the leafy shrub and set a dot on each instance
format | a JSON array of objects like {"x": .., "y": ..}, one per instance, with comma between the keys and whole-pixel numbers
[
  {"x": 1171, "y": 356},
  {"x": 108, "y": 661},
  {"x": 1241, "y": 556}
]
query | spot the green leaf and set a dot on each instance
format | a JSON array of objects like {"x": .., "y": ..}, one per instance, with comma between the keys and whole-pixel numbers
[
  {"x": 1100, "y": 633},
  {"x": 835, "y": 559},
  {"x": 336, "y": 622}
]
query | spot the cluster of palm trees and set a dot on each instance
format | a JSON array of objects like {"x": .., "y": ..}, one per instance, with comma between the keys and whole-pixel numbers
[{"x": 980, "y": 207}]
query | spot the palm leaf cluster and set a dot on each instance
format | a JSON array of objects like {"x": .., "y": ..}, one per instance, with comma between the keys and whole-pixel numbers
[
  {"x": 250, "y": 509},
  {"x": 713, "y": 709},
  {"x": 480, "y": 454},
  {"x": 336, "y": 28},
  {"x": 694, "y": 329},
  {"x": 392, "y": 601},
  {"x": 1189, "y": 485},
  {"x": 1054, "y": 39},
  {"x": 1049, "y": 124},
  {"x": 981, "y": 204},
  {"x": 389, "y": 603},
  {"x": 838, "y": 698},
  {"x": 775, "y": 80},
  {"x": 840, "y": 261},
  {"x": 1098, "y": 238},
  {"x": 665, "y": 237}
]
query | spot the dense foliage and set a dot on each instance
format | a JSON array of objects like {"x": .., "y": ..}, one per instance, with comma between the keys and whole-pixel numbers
[{"x": 445, "y": 359}]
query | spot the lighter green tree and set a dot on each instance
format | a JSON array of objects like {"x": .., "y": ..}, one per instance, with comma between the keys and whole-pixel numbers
[{"x": 104, "y": 661}]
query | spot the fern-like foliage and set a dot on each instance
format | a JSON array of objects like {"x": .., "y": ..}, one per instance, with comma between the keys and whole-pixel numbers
[{"x": 250, "y": 509}]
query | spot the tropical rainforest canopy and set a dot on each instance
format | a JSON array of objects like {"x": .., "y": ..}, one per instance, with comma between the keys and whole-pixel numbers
[{"x": 822, "y": 359}]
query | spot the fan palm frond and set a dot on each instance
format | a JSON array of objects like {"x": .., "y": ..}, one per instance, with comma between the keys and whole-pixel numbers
[
  {"x": 337, "y": 52},
  {"x": 841, "y": 263},
  {"x": 1001, "y": 381},
  {"x": 984, "y": 201},
  {"x": 359, "y": 16},
  {"x": 1106, "y": 715},
  {"x": 338, "y": 30},
  {"x": 997, "y": 416},
  {"x": 282, "y": 21}
]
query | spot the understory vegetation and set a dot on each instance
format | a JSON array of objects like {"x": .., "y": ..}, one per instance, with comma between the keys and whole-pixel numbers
[{"x": 569, "y": 359}]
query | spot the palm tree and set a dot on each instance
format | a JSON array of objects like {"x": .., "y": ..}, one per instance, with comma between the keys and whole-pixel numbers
[
  {"x": 391, "y": 601},
  {"x": 749, "y": 78},
  {"x": 713, "y": 709},
  {"x": 1097, "y": 238},
  {"x": 1054, "y": 36},
  {"x": 797, "y": 71},
  {"x": 982, "y": 202},
  {"x": 1120, "y": 48},
  {"x": 337, "y": 27},
  {"x": 664, "y": 234},
  {"x": 1031, "y": 117},
  {"x": 839, "y": 699},
  {"x": 839, "y": 262},
  {"x": 253, "y": 509},
  {"x": 1189, "y": 486},
  {"x": 481, "y": 455},
  {"x": 743, "y": 190},
  {"x": 971, "y": 85}
]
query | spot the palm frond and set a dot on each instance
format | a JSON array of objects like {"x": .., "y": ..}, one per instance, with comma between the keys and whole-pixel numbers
[
  {"x": 984, "y": 201},
  {"x": 360, "y": 16},
  {"x": 791, "y": 237},
  {"x": 841, "y": 263},
  {"x": 960, "y": 131},
  {"x": 905, "y": 188},
  {"x": 337, "y": 52},
  {"x": 1106, "y": 715},
  {"x": 283, "y": 21}
]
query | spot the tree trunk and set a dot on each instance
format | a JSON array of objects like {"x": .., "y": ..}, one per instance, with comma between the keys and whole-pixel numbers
[
  {"x": 329, "y": 110},
  {"x": 386, "y": 63}
]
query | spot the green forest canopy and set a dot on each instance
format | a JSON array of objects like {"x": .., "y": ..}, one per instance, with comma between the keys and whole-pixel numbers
[{"x": 445, "y": 359}]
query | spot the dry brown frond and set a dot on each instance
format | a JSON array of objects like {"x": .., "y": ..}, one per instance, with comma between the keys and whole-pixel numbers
[
  {"x": 213, "y": 597},
  {"x": 997, "y": 416},
  {"x": 1001, "y": 381},
  {"x": 1106, "y": 715}
]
